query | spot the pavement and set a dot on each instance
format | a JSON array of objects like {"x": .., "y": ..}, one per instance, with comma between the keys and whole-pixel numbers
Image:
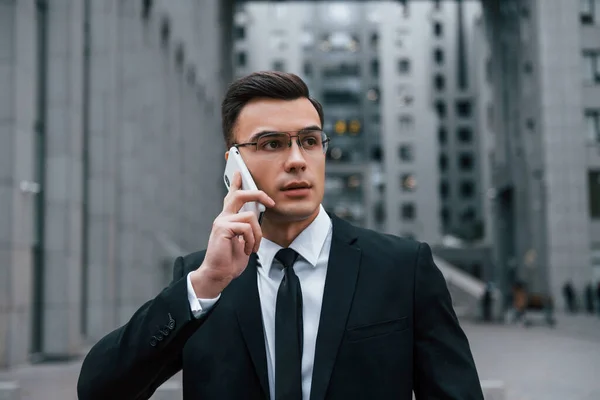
[{"x": 533, "y": 363}]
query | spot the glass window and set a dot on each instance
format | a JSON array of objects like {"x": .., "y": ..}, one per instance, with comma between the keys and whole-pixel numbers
[
  {"x": 406, "y": 122},
  {"x": 439, "y": 82},
  {"x": 443, "y": 162},
  {"x": 404, "y": 66},
  {"x": 444, "y": 190},
  {"x": 591, "y": 66},
  {"x": 438, "y": 29},
  {"x": 406, "y": 152},
  {"x": 587, "y": 11},
  {"x": 375, "y": 68},
  {"x": 241, "y": 59},
  {"x": 240, "y": 32},
  {"x": 408, "y": 182},
  {"x": 279, "y": 66},
  {"x": 592, "y": 125},
  {"x": 465, "y": 135},
  {"x": 440, "y": 108},
  {"x": 438, "y": 56},
  {"x": 408, "y": 211},
  {"x": 467, "y": 189},
  {"x": 442, "y": 135},
  {"x": 465, "y": 161},
  {"x": 463, "y": 108}
]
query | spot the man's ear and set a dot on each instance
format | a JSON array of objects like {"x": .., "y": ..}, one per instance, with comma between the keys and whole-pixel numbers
[{"x": 226, "y": 155}]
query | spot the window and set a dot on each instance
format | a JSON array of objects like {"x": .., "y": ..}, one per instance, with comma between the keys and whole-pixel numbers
[
  {"x": 591, "y": 66},
  {"x": 465, "y": 161},
  {"x": 340, "y": 97},
  {"x": 404, "y": 66},
  {"x": 241, "y": 59},
  {"x": 443, "y": 162},
  {"x": 587, "y": 8},
  {"x": 440, "y": 108},
  {"x": 592, "y": 125},
  {"x": 406, "y": 122},
  {"x": 439, "y": 82},
  {"x": 408, "y": 211},
  {"x": 437, "y": 4},
  {"x": 464, "y": 135},
  {"x": 406, "y": 152},
  {"x": 279, "y": 66},
  {"x": 408, "y": 182},
  {"x": 308, "y": 70},
  {"x": 594, "y": 191},
  {"x": 468, "y": 215},
  {"x": 444, "y": 190},
  {"x": 239, "y": 32},
  {"x": 463, "y": 108},
  {"x": 438, "y": 56},
  {"x": 374, "y": 40},
  {"x": 438, "y": 29},
  {"x": 375, "y": 68},
  {"x": 442, "y": 135},
  {"x": 467, "y": 189},
  {"x": 373, "y": 95},
  {"x": 342, "y": 70}
]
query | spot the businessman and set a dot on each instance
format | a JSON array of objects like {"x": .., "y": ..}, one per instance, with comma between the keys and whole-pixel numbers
[{"x": 302, "y": 305}]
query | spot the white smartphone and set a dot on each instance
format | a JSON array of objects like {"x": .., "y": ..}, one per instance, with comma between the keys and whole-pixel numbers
[{"x": 236, "y": 163}]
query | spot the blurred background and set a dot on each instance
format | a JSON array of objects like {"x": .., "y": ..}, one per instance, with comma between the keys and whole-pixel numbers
[{"x": 473, "y": 125}]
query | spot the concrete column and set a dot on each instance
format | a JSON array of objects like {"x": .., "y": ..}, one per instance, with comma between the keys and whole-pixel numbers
[
  {"x": 18, "y": 78},
  {"x": 62, "y": 280}
]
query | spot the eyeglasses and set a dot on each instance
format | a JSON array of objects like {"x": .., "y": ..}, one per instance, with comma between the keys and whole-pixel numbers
[{"x": 275, "y": 144}]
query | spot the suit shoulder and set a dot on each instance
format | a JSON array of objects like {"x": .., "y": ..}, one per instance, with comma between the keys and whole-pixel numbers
[{"x": 385, "y": 242}]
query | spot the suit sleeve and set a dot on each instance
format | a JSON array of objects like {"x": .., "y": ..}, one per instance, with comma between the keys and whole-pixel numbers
[
  {"x": 132, "y": 361},
  {"x": 443, "y": 364}
]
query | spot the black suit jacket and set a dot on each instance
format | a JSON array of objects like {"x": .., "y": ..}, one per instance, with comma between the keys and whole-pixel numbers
[{"x": 387, "y": 327}]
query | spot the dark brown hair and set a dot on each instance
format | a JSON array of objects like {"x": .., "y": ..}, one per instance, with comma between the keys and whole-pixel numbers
[{"x": 263, "y": 84}]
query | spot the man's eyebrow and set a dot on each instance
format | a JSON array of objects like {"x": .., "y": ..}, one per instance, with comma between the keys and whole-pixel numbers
[{"x": 260, "y": 134}]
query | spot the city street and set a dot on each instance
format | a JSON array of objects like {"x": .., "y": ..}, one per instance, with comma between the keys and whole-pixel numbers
[{"x": 535, "y": 363}]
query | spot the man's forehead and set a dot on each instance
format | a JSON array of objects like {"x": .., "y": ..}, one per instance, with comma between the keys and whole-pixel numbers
[{"x": 275, "y": 115}]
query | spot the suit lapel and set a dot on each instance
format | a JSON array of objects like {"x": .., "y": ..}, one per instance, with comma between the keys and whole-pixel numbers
[
  {"x": 250, "y": 319},
  {"x": 342, "y": 273}
]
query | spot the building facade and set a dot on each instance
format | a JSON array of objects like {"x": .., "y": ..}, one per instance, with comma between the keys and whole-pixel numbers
[
  {"x": 377, "y": 109},
  {"x": 543, "y": 65},
  {"x": 110, "y": 160}
]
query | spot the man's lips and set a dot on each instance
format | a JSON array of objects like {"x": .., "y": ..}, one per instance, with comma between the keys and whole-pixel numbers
[{"x": 296, "y": 185}]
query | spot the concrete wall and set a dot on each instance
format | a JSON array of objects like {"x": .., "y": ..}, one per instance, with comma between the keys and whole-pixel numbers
[{"x": 132, "y": 167}]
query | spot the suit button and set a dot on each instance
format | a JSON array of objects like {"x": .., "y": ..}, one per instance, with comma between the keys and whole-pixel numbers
[
  {"x": 159, "y": 337},
  {"x": 164, "y": 331},
  {"x": 171, "y": 324},
  {"x": 153, "y": 342}
]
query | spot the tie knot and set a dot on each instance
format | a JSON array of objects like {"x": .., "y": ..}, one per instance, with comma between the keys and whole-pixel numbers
[{"x": 287, "y": 257}]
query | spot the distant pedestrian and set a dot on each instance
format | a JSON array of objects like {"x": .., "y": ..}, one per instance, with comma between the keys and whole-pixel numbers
[{"x": 569, "y": 294}]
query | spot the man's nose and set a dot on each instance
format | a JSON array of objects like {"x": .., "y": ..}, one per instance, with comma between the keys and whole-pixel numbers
[{"x": 295, "y": 156}]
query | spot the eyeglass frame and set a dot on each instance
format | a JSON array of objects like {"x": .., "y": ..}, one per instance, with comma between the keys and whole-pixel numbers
[{"x": 324, "y": 143}]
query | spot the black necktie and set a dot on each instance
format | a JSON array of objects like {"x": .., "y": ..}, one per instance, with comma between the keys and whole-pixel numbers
[{"x": 288, "y": 331}]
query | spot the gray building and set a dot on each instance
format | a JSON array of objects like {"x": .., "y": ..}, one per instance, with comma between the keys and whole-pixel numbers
[
  {"x": 110, "y": 160},
  {"x": 545, "y": 117},
  {"x": 349, "y": 57}
]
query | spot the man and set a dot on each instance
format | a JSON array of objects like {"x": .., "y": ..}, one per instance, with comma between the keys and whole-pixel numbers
[{"x": 301, "y": 306}]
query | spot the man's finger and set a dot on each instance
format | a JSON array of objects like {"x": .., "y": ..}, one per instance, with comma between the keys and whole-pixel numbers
[{"x": 235, "y": 201}]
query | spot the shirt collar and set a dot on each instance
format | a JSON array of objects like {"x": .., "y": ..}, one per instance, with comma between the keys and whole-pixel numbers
[{"x": 308, "y": 243}]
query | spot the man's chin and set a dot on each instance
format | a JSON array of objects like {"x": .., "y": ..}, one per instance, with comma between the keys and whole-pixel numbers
[{"x": 293, "y": 212}]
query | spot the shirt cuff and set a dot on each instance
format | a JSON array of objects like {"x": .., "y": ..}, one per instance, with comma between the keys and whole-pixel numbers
[{"x": 198, "y": 306}]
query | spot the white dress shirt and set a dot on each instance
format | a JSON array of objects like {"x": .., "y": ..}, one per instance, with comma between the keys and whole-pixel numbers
[{"x": 312, "y": 245}]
